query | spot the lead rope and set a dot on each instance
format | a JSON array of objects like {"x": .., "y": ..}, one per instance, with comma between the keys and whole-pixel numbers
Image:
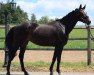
[
  {"x": 92, "y": 36},
  {"x": 90, "y": 33}
]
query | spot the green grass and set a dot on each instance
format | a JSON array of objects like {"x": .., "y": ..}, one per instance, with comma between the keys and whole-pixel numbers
[
  {"x": 2, "y": 32},
  {"x": 78, "y": 33},
  {"x": 44, "y": 66}
]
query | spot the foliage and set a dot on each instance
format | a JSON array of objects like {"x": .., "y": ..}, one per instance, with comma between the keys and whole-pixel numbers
[
  {"x": 44, "y": 20},
  {"x": 18, "y": 16},
  {"x": 33, "y": 18}
]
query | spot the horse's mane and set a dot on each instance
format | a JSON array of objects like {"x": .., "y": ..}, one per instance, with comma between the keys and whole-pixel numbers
[
  {"x": 69, "y": 15},
  {"x": 65, "y": 18}
]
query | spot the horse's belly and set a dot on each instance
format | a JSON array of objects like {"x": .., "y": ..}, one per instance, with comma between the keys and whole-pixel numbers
[{"x": 43, "y": 41}]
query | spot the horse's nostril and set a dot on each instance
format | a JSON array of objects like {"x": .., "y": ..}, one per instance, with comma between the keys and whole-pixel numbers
[{"x": 89, "y": 21}]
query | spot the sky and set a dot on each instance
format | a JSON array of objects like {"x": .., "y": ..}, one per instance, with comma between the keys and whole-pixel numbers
[{"x": 55, "y": 8}]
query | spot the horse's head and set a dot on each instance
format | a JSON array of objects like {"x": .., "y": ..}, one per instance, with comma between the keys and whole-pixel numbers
[{"x": 82, "y": 16}]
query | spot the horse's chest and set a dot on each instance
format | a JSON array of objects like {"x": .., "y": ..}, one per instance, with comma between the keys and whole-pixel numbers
[{"x": 62, "y": 40}]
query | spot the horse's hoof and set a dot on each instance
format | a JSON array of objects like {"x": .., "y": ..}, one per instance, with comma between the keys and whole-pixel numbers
[
  {"x": 50, "y": 69},
  {"x": 58, "y": 70},
  {"x": 26, "y": 73},
  {"x": 51, "y": 73},
  {"x": 8, "y": 74},
  {"x": 59, "y": 73}
]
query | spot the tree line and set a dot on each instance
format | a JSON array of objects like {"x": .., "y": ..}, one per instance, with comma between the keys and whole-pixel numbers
[
  {"x": 19, "y": 16},
  {"x": 42, "y": 20}
]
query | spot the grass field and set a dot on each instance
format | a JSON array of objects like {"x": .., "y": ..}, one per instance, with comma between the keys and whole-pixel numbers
[{"x": 76, "y": 33}]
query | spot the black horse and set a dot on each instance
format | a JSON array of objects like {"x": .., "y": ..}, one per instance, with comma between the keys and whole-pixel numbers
[{"x": 53, "y": 34}]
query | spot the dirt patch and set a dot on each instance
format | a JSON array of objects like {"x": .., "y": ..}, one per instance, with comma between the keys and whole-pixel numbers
[{"x": 46, "y": 56}]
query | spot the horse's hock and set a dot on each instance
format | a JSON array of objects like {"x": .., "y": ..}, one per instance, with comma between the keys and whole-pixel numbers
[{"x": 46, "y": 56}]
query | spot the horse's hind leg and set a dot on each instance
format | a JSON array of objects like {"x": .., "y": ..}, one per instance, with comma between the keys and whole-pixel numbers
[
  {"x": 11, "y": 55},
  {"x": 21, "y": 57}
]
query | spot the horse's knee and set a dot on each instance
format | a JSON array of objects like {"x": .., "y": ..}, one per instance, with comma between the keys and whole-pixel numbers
[{"x": 21, "y": 56}]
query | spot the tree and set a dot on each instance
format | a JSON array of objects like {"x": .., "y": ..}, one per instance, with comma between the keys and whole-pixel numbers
[
  {"x": 44, "y": 20},
  {"x": 33, "y": 18},
  {"x": 4, "y": 7},
  {"x": 18, "y": 16}
]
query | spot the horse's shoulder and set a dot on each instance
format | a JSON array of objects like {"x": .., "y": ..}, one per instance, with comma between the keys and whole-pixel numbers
[{"x": 59, "y": 27}]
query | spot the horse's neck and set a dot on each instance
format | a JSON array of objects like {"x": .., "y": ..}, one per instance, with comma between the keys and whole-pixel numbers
[
  {"x": 70, "y": 27},
  {"x": 69, "y": 24}
]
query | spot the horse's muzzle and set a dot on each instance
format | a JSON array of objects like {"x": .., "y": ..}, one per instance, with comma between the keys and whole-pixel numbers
[{"x": 89, "y": 22}]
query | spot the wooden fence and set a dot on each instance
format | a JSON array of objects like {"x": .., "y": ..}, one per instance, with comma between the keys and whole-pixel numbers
[
  {"x": 75, "y": 38},
  {"x": 89, "y": 38}
]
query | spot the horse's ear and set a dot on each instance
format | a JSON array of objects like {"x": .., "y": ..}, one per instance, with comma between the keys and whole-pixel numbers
[
  {"x": 84, "y": 7},
  {"x": 80, "y": 7}
]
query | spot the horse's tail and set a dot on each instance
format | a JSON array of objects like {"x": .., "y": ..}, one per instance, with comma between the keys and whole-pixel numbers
[
  {"x": 8, "y": 44},
  {"x": 9, "y": 39}
]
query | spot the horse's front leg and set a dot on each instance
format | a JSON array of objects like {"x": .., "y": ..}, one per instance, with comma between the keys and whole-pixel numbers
[
  {"x": 59, "y": 60},
  {"x": 21, "y": 57}
]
